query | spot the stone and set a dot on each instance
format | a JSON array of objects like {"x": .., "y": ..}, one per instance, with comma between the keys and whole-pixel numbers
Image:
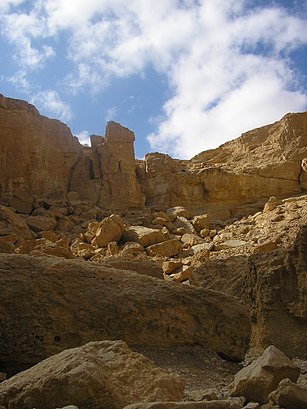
[
  {"x": 179, "y": 211},
  {"x": 120, "y": 187},
  {"x": 270, "y": 204},
  {"x": 215, "y": 404},
  {"x": 145, "y": 267},
  {"x": 22, "y": 201},
  {"x": 12, "y": 226},
  {"x": 132, "y": 249},
  {"x": 191, "y": 239},
  {"x": 183, "y": 275},
  {"x": 64, "y": 224},
  {"x": 201, "y": 222},
  {"x": 289, "y": 395},
  {"x": 272, "y": 285},
  {"x": 228, "y": 244},
  {"x": 40, "y": 223},
  {"x": 184, "y": 224},
  {"x": 49, "y": 298},
  {"x": 252, "y": 405},
  {"x": 110, "y": 229},
  {"x": 105, "y": 374},
  {"x": 143, "y": 235},
  {"x": 168, "y": 248},
  {"x": 257, "y": 380},
  {"x": 170, "y": 267},
  {"x": 81, "y": 249},
  {"x": 269, "y": 245}
]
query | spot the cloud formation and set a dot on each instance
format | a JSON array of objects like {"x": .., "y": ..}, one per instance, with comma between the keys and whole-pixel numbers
[
  {"x": 228, "y": 63},
  {"x": 51, "y": 104}
]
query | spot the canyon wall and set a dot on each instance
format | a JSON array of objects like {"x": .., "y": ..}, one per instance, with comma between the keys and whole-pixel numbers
[{"x": 39, "y": 158}]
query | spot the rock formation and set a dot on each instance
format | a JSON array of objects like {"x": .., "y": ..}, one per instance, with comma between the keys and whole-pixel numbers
[
  {"x": 53, "y": 304},
  {"x": 105, "y": 374},
  {"x": 41, "y": 159},
  {"x": 196, "y": 264}
]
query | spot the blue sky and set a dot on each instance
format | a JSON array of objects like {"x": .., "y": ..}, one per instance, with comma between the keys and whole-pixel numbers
[{"x": 184, "y": 75}]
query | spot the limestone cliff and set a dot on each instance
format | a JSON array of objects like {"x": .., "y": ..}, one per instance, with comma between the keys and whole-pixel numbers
[{"x": 41, "y": 158}]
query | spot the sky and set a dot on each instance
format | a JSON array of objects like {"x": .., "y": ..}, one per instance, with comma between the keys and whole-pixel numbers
[{"x": 184, "y": 75}]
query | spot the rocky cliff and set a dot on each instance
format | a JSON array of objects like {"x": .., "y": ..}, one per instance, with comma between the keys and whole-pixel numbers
[{"x": 41, "y": 159}]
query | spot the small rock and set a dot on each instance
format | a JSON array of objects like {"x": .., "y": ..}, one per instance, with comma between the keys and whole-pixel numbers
[{"x": 289, "y": 395}]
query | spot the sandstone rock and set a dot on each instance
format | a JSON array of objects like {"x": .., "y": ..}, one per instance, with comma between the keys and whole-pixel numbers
[
  {"x": 81, "y": 249},
  {"x": 132, "y": 249},
  {"x": 179, "y": 211},
  {"x": 145, "y": 267},
  {"x": 112, "y": 249},
  {"x": 184, "y": 224},
  {"x": 260, "y": 378},
  {"x": 266, "y": 246},
  {"x": 191, "y": 239},
  {"x": 22, "y": 201},
  {"x": 99, "y": 374},
  {"x": 201, "y": 222},
  {"x": 168, "y": 248},
  {"x": 183, "y": 275},
  {"x": 49, "y": 299},
  {"x": 273, "y": 287},
  {"x": 51, "y": 250},
  {"x": 120, "y": 187},
  {"x": 110, "y": 229},
  {"x": 13, "y": 226},
  {"x": 6, "y": 246},
  {"x": 143, "y": 235},
  {"x": 38, "y": 154},
  {"x": 170, "y": 267},
  {"x": 40, "y": 223},
  {"x": 215, "y": 404},
  {"x": 64, "y": 224},
  {"x": 270, "y": 204},
  {"x": 228, "y": 244},
  {"x": 289, "y": 395}
]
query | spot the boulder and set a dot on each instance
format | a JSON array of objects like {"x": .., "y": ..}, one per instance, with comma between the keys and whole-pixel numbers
[
  {"x": 145, "y": 267},
  {"x": 13, "y": 227},
  {"x": 143, "y": 235},
  {"x": 289, "y": 395},
  {"x": 168, "y": 248},
  {"x": 215, "y": 404},
  {"x": 110, "y": 229},
  {"x": 51, "y": 304},
  {"x": 201, "y": 222},
  {"x": 191, "y": 239},
  {"x": 22, "y": 201},
  {"x": 257, "y": 380},
  {"x": 105, "y": 374},
  {"x": 179, "y": 211},
  {"x": 273, "y": 286},
  {"x": 41, "y": 223}
]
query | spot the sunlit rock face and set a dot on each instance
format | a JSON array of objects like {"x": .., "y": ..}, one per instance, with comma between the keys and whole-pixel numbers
[{"x": 41, "y": 158}]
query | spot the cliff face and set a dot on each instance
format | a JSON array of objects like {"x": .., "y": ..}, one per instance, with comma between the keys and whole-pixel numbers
[
  {"x": 37, "y": 154},
  {"x": 41, "y": 158},
  {"x": 260, "y": 163}
]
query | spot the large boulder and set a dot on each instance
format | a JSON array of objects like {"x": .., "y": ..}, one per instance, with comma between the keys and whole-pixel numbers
[
  {"x": 168, "y": 248},
  {"x": 143, "y": 235},
  {"x": 273, "y": 286},
  {"x": 110, "y": 229},
  {"x": 51, "y": 304},
  {"x": 257, "y": 380},
  {"x": 105, "y": 374}
]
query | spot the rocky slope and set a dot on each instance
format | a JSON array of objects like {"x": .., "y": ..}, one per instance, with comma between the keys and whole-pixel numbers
[{"x": 194, "y": 264}]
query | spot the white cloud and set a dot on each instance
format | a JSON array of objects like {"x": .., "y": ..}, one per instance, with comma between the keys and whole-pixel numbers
[
  {"x": 84, "y": 138},
  {"x": 50, "y": 103},
  {"x": 110, "y": 114},
  {"x": 228, "y": 64}
]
